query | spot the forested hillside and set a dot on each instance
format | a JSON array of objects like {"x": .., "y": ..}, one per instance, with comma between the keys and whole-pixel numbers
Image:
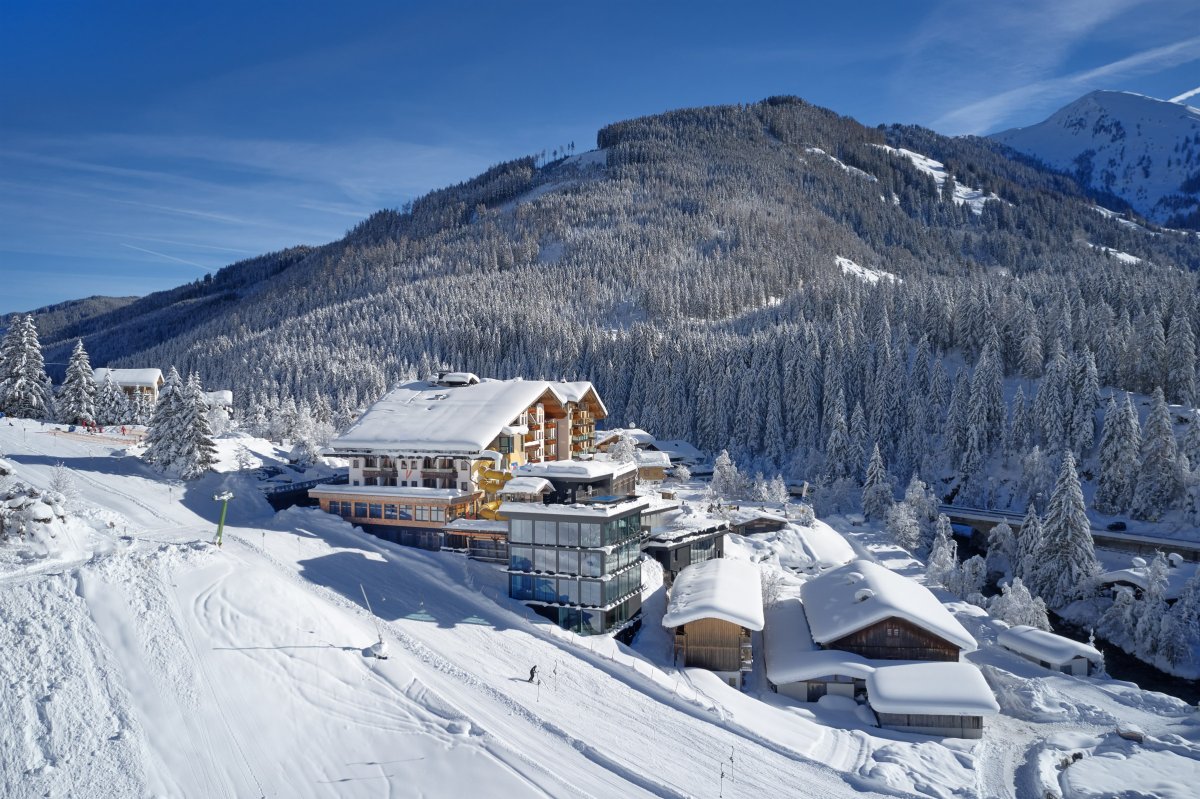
[{"x": 689, "y": 268}]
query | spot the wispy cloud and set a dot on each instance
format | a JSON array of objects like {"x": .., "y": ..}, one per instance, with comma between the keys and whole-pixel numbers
[
  {"x": 1186, "y": 96},
  {"x": 164, "y": 255},
  {"x": 983, "y": 115}
]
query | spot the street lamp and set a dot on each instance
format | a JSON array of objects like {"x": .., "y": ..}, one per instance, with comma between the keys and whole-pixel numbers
[{"x": 224, "y": 500}]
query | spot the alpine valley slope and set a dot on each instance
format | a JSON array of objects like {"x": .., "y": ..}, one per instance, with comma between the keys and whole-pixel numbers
[{"x": 1145, "y": 151}]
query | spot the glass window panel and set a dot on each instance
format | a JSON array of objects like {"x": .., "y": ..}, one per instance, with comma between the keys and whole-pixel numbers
[
  {"x": 544, "y": 533},
  {"x": 592, "y": 622},
  {"x": 360, "y": 509},
  {"x": 422, "y": 513},
  {"x": 389, "y": 512},
  {"x": 564, "y": 589},
  {"x": 593, "y": 564},
  {"x": 589, "y": 592},
  {"x": 521, "y": 587},
  {"x": 572, "y": 590},
  {"x": 568, "y": 533},
  {"x": 544, "y": 589},
  {"x": 520, "y": 531},
  {"x": 521, "y": 558},
  {"x": 406, "y": 512},
  {"x": 437, "y": 514},
  {"x": 375, "y": 510},
  {"x": 568, "y": 562},
  {"x": 544, "y": 560},
  {"x": 589, "y": 534}
]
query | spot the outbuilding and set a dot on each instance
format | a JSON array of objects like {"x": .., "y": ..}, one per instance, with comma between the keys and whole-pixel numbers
[
  {"x": 713, "y": 608},
  {"x": 945, "y": 699},
  {"x": 1051, "y": 651}
]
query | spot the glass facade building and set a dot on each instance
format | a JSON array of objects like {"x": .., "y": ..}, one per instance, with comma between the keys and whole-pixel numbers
[{"x": 577, "y": 566}]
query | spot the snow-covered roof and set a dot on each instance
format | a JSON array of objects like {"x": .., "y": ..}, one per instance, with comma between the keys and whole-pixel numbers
[
  {"x": 684, "y": 523},
  {"x": 649, "y": 458},
  {"x": 678, "y": 450},
  {"x": 791, "y": 655},
  {"x": 1045, "y": 646},
  {"x": 129, "y": 377},
  {"x": 861, "y": 593},
  {"x": 221, "y": 397},
  {"x": 931, "y": 689},
  {"x": 576, "y": 470},
  {"x": 825, "y": 546},
  {"x": 576, "y": 391},
  {"x": 578, "y": 510},
  {"x": 526, "y": 485},
  {"x": 423, "y": 416},
  {"x": 744, "y": 515},
  {"x": 477, "y": 526},
  {"x": 717, "y": 589},
  {"x": 640, "y": 437},
  {"x": 1177, "y": 578},
  {"x": 400, "y": 492}
]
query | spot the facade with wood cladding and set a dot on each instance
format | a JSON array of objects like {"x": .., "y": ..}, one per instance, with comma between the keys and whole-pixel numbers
[{"x": 896, "y": 639}]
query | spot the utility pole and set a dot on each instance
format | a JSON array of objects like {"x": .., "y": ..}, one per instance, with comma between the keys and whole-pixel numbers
[{"x": 224, "y": 500}]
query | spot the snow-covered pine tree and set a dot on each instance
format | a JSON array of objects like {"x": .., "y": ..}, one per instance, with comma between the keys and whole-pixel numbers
[
  {"x": 164, "y": 438},
  {"x": 943, "y": 556},
  {"x": 1026, "y": 564},
  {"x": 1120, "y": 443},
  {"x": 1015, "y": 605},
  {"x": 1179, "y": 638},
  {"x": 1181, "y": 360},
  {"x": 1083, "y": 414},
  {"x": 1191, "y": 439},
  {"x": 1020, "y": 431},
  {"x": 1158, "y": 483},
  {"x": 77, "y": 395},
  {"x": 968, "y": 578},
  {"x": 624, "y": 449},
  {"x": 24, "y": 386},
  {"x": 1037, "y": 478},
  {"x": 1068, "y": 554},
  {"x": 1120, "y": 619},
  {"x": 197, "y": 453},
  {"x": 112, "y": 406},
  {"x": 904, "y": 527},
  {"x": 1002, "y": 549},
  {"x": 877, "y": 495},
  {"x": 1151, "y": 609},
  {"x": 777, "y": 490},
  {"x": 839, "y": 453},
  {"x": 726, "y": 480}
]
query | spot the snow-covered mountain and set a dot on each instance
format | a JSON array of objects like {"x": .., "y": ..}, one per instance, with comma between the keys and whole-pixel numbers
[{"x": 1144, "y": 150}]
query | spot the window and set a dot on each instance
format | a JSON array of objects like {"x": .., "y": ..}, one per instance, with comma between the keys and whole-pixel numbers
[
  {"x": 568, "y": 533},
  {"x": 568, "y": 562},
  {"x": 376, "y": 510},
  {"x": 545, "y": 533},
  {"x": 520, "y": 586},
  {"x": 593, "y": 564},
  {"x": 589, "y": 534},
  {"x": 356, "y": 482},
  {"x": 504, "y": 445},
  {"x": 520, "y": 558},
  {"x": 422, "y": 513},
  {"x": 360, "y": 510},
  {"x": 520, "y": 531},
  {"x": 389, "y": 512},
  {"x": 463, "y": 487},
  {"x": 437, "y": 514},
  {"x": 544, "y": 560},
  {"x": 589, "y": 592},
  {"x": 335, "y": 506},
  {"x": 572, "y": 589},
  {"x": 406, "y": 512},
  {"x": 544, "y": 589}
]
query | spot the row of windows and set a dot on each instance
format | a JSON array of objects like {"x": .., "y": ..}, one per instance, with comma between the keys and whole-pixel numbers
[
  {"x": 587, "y": 621},
  {"x": 382, "y": 462},
  {"x": 393, "y": 512},
  {"x": 572, "y": 591},
  {"x": 573, "y": 561},
  {"x": 574, "y": 534},
  {"x": 391, "y": 481}
]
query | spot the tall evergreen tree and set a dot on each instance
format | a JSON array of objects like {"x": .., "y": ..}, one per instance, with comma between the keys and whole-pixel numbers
[
  {"x": 1027, "y": 561},
  {"x": 166, "y": 430},
  {"x": 1068, "y": 556},
  {"x": 1002, "y": 549},
  {"x": 1120, "y": 443},
  {"x": 24, "y": 386},
  {"x": 77, "y": 396},
  {"x": 112, "y": 406},
  {"x": 197, "y": 453},
  {"x": 878, "y": 490},
  {"x": 1159, "y": 482},
  {"x": 943, "y": 556},
  {"x": 1180, "y": 634}
]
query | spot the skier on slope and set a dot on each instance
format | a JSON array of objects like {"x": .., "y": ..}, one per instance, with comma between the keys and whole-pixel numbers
[{"x": 533, "y": 673}]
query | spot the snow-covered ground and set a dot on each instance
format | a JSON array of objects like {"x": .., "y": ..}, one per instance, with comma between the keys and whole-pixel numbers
[
  {"x": 963, "y": 195},
  {"x": 863, "y": 273},
  {"x": 140, "y": 660}
]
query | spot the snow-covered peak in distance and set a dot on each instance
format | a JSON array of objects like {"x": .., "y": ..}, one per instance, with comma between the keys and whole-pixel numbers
[{"x": 1144, "y": 150}]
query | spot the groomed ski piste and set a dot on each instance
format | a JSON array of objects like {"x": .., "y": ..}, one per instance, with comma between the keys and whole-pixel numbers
[{"x": 139, "y": 659}]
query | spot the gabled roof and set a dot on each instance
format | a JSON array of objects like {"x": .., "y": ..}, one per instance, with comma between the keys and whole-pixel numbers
[
  {"x": 861, "y": 593},
  {"x": 640, "y": 437},
  {"x": 717, "y": 589},
  {"x": 129, "y": 377},
  {"x": 1054, "y": 649},
  {"x": 580, "y": 390},
  {"x": 423, "y": 416},
  {"x": 931, "y": 689},
  {"x": 791, "y": 655}
]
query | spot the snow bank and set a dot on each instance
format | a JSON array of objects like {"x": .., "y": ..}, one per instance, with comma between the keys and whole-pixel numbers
[{"x": 863, "y": 273}]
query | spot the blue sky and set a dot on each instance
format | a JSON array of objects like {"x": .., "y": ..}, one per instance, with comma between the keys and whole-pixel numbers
[{"x": 145, "y": 144}]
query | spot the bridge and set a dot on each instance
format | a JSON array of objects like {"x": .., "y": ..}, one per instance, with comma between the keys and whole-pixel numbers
[{"x": 984, "y": 519}]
